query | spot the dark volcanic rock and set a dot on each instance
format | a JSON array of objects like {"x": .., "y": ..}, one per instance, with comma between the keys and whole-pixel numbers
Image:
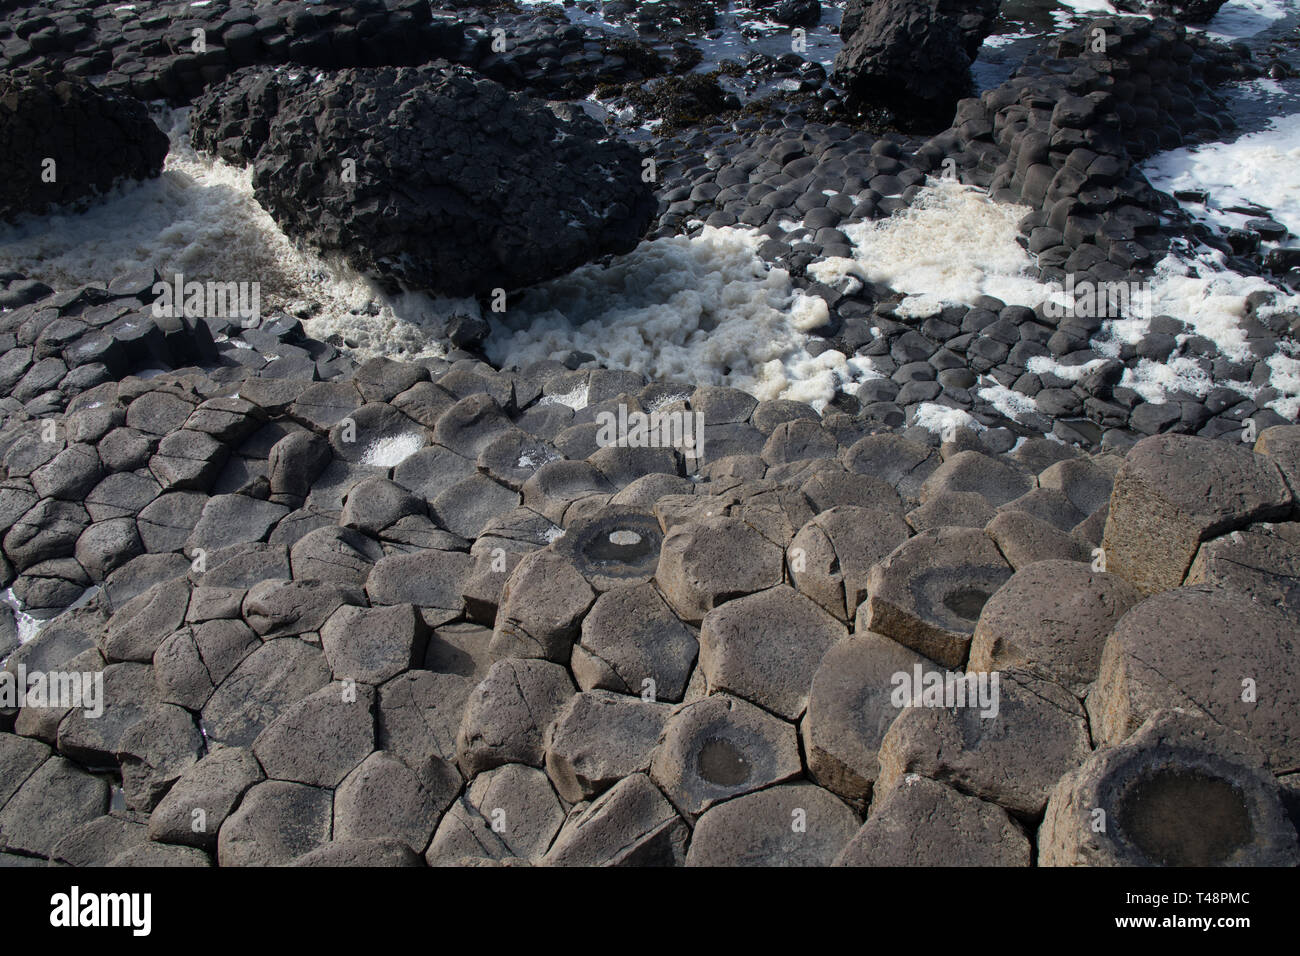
[
  {"x": 913, "y": 56},
  {"x": 94, "y": 139},
  {"x": 435, "y": 178}
]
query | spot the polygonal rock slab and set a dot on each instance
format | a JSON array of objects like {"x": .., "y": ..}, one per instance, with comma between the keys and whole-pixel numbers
[
  {"x": 58, "y": 797},
  {"x": 795, "y": 824},
  {"x": 364, "y": 853},
  {"x": 929, "y": 592},
  {"x": 373, "y": 644},
  {"x": 631, "y": 637},
  {"x": 1204, "y": 650},
  {"x": 850, "y": 709},
  {"x": 508, "y": 713},
  {"x": 598, "y": 738},
  {"x": 982, "y": 474},
  {"x": 1264, "y": 565},
  {"x": 1008, "y": 747},
  {"x": 1052, "y": 619},
  {"x": 904, "y": 464},
  {"x": 1182, "y": 791},
  {"x": 424, "y": 578},
  {"x": 1174, "y": 492},
  {"x": 765, "y": 647},
  {"x": 276, "y": 822},
  {"x": 705, "y": 563},
  {"x": 1025, "y": 540},
  {"x": 519, "y": 806},
  {"x": 318, "y": 740},
  {"x": 720, "y": 747},
  {"x": 613, "y": 546},
  {"x": 832, "y": 554},
  {"x": 923, "y": 823},
  {"x": 383, "y": 798},
  {"x": 543, "y": 601},
  {"x": 631, "y": 824},
  {"x": 267, "y": 681},
  {"x": 198, "y": 803}
]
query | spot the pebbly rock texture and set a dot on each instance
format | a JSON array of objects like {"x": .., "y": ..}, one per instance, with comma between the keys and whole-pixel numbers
[
  {"x": 913, "y": 56},
  {"x": 63, "y": 141},
  {"x": 433, "y": 177}
]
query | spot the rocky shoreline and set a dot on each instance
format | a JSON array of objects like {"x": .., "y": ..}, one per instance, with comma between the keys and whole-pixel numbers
[{"x": 380, "y": 612}]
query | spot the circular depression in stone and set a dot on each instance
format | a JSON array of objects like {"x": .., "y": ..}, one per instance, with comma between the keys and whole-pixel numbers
[
  {"x": 1185, "y": 817},
  {"x": 954, "y": 597},
  {"x": 614, "y": 546},
  {"x": 967, "y": 603},
  {"x": 722, "y": 763}
]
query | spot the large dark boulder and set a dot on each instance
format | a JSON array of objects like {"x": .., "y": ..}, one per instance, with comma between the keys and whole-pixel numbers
[
  {"x": 431, "y": 177},
  {"x": 94, "y": 138},
  {"x": 912, "y": 57},
  {"x": 1187, "y": 11}
]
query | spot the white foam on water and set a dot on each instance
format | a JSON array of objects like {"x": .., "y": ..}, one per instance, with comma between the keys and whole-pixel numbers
[
  {"x": 942, "y": 420},
  {"x": 1285, "y": 378},
  {"x": 199, "y": 218},
  {"x": 1238, "y": 19},
  {"x": 950, "y": 246},
  {"x": 1260, "y": 168},
  {"x": 955, "y": 244},
  {"x": 391, "y": 450},
  {"x": 703, "y": 309}
]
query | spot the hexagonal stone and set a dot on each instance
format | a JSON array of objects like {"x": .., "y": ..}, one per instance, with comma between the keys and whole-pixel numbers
[
  {"x": 187, "y": 460},
  {"x": 373, "y": 644},
  {"x": 1282, "y": 444},
  {"x": 830, "y": 557},
  {"x": 765, "y": 647},
  {"x": 120, "y": 495},
  {"x": 794, "y": 824},
  {"x": 705, "y": 563},
  {"x": 158, "y": 412},
  {"x": 929, "y": 592},
  {"x": 631, "y": 636},
  {"x": 850, "y": 708},
  {"x": 904, "y": 464},
  {"x": 155, "y": 751},
  {"x": 276, "y": 822},
  {"x": 340, "y": 555},
  {"x": 431, "y": 471},
  {"x": 464, "y": 834},
  {"x": 799, "y": 440},
  {"x": 982, "y": 474},
  {"x": 434, "y": 579},
  {"x": 167, "y": 521},
  {"x": 213, "y": 787},
  {"x": 598, "y": 738},
  {"x": 319, "y": 739},
  {"x": 383, "y": 798},
  {"x": 952, "y": 509},
  {"x": 372, "y": 505},
  {"x": 631, "y": 824},
  {"x": 558, "y": 484},
  {"x": 143, "y": 623},
  {"x": 267, "y": 681},
  {"x": 107, "y": 545},
  {"x": 277, "y": 608},
  {"x": 1182, "y": 791},
  {"x": 19, "y": 758},
  {"x": 831, "y": 486},
  {"x": 99, "y": 841},
  {"x": 363, "y": 853},
  {"x": 1175, "y": 491},
  {"x": 508, "y": 713},
  {"x": 1008, "y": 748},
  {"x": 520, "y": 807},
  {"x": 58, "y": 797},
  {"x": 70, "y": 474},
  {"x": 49, "y": 530},
  {"x": 1257, "y": 562},
  {"x": 541, "y": 606},
  {"x": 377, "y": 434},
  {"x": 612, "y": 546},
  {"x": 1204, "y": 650},
  {"x": 233, "y": 519},
  {"x": 471, "y": 425},
  {"x": 468, "y": 506},
  {"x": 923, "y": 823},
  {"x": 1024, "y": 540},
  {"x": 1087, "y": 483},
  {"x": 720, "y": 747},
  {"x": 1052, "y": 619}
]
